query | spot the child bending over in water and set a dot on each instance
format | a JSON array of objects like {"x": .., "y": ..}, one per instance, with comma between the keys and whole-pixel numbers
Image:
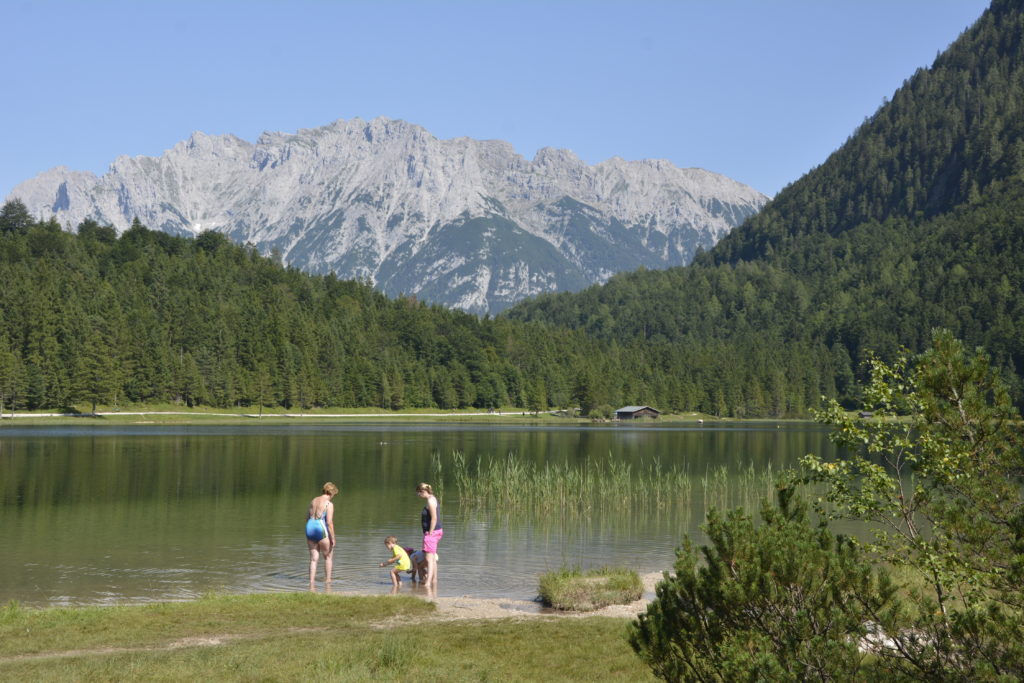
[
  {"x": 418, "y": 570},
  {"x": 399, "y": 558}
]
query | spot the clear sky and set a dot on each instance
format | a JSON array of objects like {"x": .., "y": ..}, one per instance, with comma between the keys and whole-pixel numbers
[{"x": 759, "y": 90}]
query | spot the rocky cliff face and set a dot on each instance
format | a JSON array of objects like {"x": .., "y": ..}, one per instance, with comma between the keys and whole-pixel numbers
[{"x": 463, "y": 222}]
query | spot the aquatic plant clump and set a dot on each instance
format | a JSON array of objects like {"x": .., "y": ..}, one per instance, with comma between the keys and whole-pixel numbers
[
  {"x": 572, "y": 589},
  {"x": 513, "y": 485}
]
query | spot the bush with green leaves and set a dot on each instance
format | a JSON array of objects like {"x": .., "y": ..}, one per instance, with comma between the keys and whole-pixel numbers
[
  {"x": 783, "y": 600},
  {"x": 939, "y": 475}
]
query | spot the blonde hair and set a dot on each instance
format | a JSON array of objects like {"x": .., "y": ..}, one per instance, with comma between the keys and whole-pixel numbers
[
  {"x": 330, "y": 489},
  {"x": 392, "y": 540},
  {"x": 425, "y": 487}
]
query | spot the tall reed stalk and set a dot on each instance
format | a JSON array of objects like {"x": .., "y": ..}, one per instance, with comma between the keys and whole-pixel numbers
[
  {"x": 437, "y": 475},
  {"x": 513, "y": 486}
]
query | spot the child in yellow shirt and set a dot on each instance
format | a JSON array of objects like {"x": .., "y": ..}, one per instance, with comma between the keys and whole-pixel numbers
[{"x": 399, "y": 558}]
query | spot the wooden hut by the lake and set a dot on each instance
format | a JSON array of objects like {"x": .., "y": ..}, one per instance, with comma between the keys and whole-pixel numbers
[{"x": 636, "y": 412}]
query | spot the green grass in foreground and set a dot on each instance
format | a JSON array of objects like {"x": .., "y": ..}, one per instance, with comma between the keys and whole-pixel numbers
[
  {"x": 571, "y": 589},
  {"x": 305, "y": 636}
]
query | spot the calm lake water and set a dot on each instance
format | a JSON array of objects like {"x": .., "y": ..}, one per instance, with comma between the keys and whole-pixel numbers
[{"x": 99, "y": 514}]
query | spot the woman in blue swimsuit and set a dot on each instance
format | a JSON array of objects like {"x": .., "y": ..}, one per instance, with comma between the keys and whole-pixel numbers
[{"x": 320, "y": 534}]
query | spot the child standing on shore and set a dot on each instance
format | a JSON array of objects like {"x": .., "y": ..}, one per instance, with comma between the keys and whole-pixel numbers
[{"x": 399, "y": 558}]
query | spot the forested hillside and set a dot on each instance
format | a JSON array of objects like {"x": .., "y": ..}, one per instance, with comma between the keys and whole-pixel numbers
[
  {"x": 147, "y": 317},
  {"x": 151, "y": 318},
  {"x": 916, "y": 222},
  {"x": 950, "y": 135}
]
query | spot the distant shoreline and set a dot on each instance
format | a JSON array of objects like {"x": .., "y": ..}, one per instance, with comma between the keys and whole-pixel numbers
[
  {"x": 504, "y": 416},
  {"x": 145, "y": 413}
]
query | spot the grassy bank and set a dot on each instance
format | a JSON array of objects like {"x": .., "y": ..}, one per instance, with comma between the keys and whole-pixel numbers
[{"x": 305, "y": 636}]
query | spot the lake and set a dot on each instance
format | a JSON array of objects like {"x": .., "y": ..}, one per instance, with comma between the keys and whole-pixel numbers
[{"x": 132, "y": 513}]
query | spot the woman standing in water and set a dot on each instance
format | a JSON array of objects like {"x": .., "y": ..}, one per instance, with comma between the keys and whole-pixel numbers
[
  {"x": 430, "y": 518},
  {"x": 320, "y": 534}
]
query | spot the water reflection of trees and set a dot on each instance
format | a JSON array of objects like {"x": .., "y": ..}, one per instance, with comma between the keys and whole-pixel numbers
[{"x": 179, "y": 463}]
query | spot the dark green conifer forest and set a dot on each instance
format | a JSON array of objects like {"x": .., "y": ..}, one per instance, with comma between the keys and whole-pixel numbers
[
  {"x": 93, "y": 318},
  {"x": 149, "y": 318}
]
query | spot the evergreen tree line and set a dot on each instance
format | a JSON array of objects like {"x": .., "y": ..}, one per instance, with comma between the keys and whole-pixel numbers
[
  {"x": 914, "y": 224},
  {"x": 144, "y": 317}
]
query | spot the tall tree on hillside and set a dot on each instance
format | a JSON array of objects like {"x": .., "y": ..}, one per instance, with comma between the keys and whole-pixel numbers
[
  {"x": 14, "y": 217},
  {"x": 96, "y": 376},
  {"x": 12, "y": 376}
]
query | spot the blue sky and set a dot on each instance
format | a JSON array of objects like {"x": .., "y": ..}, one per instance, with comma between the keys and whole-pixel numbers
[{"x": 759, "y": 90}]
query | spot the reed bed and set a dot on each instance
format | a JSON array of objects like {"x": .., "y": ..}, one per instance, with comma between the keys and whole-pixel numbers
[
  {"x": 512, "y": 486},
  {"x": 746, "y": 488}
]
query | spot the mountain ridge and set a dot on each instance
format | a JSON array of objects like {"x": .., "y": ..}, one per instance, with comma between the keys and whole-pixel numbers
[{"x": 356, "y": 197}]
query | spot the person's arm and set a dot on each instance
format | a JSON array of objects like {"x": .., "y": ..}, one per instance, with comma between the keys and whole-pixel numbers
[
  {"x": 393, "y": 559},
  {"x": 330, "y": 522}
]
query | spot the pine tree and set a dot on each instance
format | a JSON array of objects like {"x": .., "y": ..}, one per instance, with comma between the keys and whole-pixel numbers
[
  {"x": 96, "y": 375},
  {"x": 785, "y": 600}
]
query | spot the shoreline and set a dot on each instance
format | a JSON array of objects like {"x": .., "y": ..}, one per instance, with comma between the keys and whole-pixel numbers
[
  {"x": 448, "y": 608},
  {"x": 466, "y": 607},
  {"x": 259, "y": 416},
  {"x": 504, "y": 416}
]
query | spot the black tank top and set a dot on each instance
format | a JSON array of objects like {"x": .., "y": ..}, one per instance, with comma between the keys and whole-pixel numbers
[{"x": 425, "y": 518}]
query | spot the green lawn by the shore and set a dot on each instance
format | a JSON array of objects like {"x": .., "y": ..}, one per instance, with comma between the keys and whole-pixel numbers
[{"x": 305, "y": 636}]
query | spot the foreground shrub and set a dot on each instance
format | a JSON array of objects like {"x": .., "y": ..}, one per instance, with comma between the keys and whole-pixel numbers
[
  {"x": 939, "y": 477},
  {"x": 786, "y": 600},
  {"x": 571, "y": 589}
]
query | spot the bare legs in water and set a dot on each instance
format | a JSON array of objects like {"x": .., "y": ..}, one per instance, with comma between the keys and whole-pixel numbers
[{"x": 322, "y": 547}]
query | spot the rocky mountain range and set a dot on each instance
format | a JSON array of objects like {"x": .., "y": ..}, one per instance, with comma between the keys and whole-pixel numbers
[{"x": 462, "y": 222}]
